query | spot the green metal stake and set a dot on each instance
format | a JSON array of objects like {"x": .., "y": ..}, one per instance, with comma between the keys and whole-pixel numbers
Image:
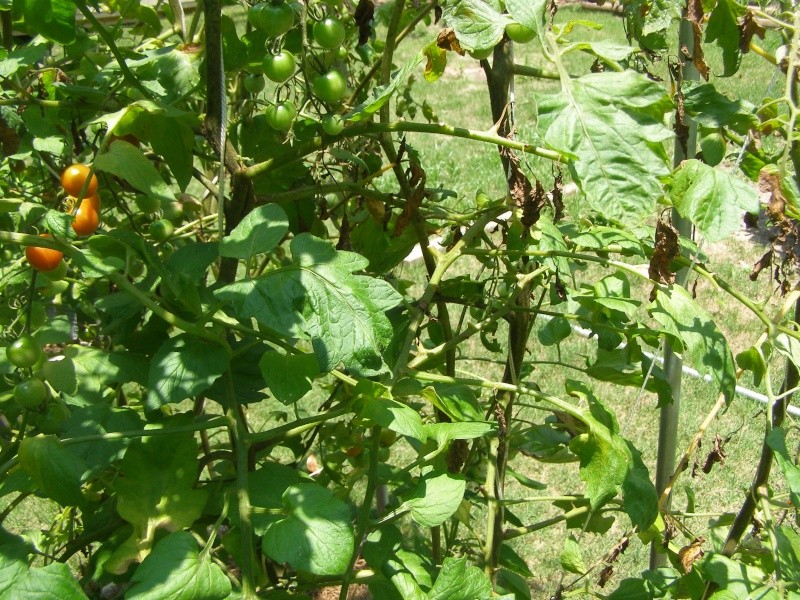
[{"x": 673, "y": 364}]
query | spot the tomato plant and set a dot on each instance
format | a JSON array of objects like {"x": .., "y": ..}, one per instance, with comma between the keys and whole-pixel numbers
[
  {"x": 329, "y": 33},
  {"x": 330, "y": 86},
  {"x": 386, "y": 320},
  {"x": 74, "y": 177},
  {"x": 24, "y": 352},
  {"x": 279, "y": 67},
  {"x": 43, "y": 259}
]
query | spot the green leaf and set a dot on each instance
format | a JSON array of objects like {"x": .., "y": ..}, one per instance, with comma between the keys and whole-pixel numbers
[
  {"x": 260, "y": 231},
  {"x": 319, "y": 297},
  {"x": 97, "y": 420},
  {"x": 53, "y": 581},
  {"x": 316, "y": 536},
  {"x": 787, "y": 553},
  {"x": 736, "y": 578},
  {"x": 175, "y": 570},
  {"x": 289, "y": 376},
  {"x": 53, "y": 19},
  {"x": 87, "y": 372},
  {"x": 459, "y": 581},
  {"x": 380, "y": 95},
  {"x": 611, "y": 126},
  {"x": 456, "y": 401},
  {"x": 556, "y": 330},
  {"x": 713, "y": 110},
  {"x": 444, "y": 433},
  {"x": 753, "y": 360},
  {"x": 723, "y": 28},
  {"x": 183, "y": 367},
  {"x": 155, "y": 489},
  {"x": 408, "y": 571},
  {"x": 703, "y": 344},
  {"x": 776, "y": 439},
  {"x": 436, "y": 498},
  {"x": 530, "y": 13},
  {"x": 479, "y": 24},
  {"x": 128, "y": 163},
  {"x": 712, "y": 199},
  {"x": 436, "y": 63},
  {"x": 378, "y": 406},
  {"x": 54, "y": 469},
  {"x": 571, "y": 557},
  {"x": 22, "y": 58}
]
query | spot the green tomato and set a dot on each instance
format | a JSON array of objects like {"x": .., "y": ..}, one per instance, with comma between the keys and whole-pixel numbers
[
  {"x": 519, "y": 33},
  {"x": 24, "y": 352},
  {"x": 279, "y": 67},
  {"x": 30, "y": 393},
  {"x": 161, "y": 230},
  {"x": 172, "y": 211},
  {"x": 481, "y": 54},
  {"x": 332, "y": 124},
  {"x": 53, "y": 418},
  {"x": 329, "y": 33},
  {"x": 281, "y": 116},
  {"x": 254, "y": 83},
  {"x": 148, "y": 204},
  {"x": 329, "y": 87},
  {"x": 272, "y": 18}
]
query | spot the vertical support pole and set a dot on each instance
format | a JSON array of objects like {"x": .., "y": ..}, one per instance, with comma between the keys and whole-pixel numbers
[{"x": 685, "y": 147}]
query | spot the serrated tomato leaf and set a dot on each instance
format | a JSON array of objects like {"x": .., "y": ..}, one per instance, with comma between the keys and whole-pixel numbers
[
  {"x": 702, "y": 342},
  {"x": 175, "y": 570},
  {"x": 183, "y": 367},
  {"x": 260, "y": 231},
  {"x": 316, "y": 536},
  {"x": 129, "y": 163},
  {"x": 319, "y": 297},
  {"x": 712, "y": 199}
]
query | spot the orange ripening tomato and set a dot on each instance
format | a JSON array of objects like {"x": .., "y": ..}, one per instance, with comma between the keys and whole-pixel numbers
[
  {"x": 86, "y": 218},
  {"x": 94, "y": 201},
  {"x": 74, "y": 176},
  {"x": 43, "y": 259}
]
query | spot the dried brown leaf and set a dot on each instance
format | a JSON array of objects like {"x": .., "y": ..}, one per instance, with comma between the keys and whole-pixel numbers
[
  {"x": 447, "y": 40},
  {"x": 748, "y": 28},
  {"x": 688, "y": 555},
  {"x": 365, "y": 11},
  {"x": 665, "y": 250}
]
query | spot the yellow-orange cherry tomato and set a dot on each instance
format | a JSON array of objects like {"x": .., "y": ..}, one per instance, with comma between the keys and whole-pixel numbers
[
  {"x": 73, "y": 178},
  {"x": 43, "y": 259},
  {"x": 86, "y": 218}
]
